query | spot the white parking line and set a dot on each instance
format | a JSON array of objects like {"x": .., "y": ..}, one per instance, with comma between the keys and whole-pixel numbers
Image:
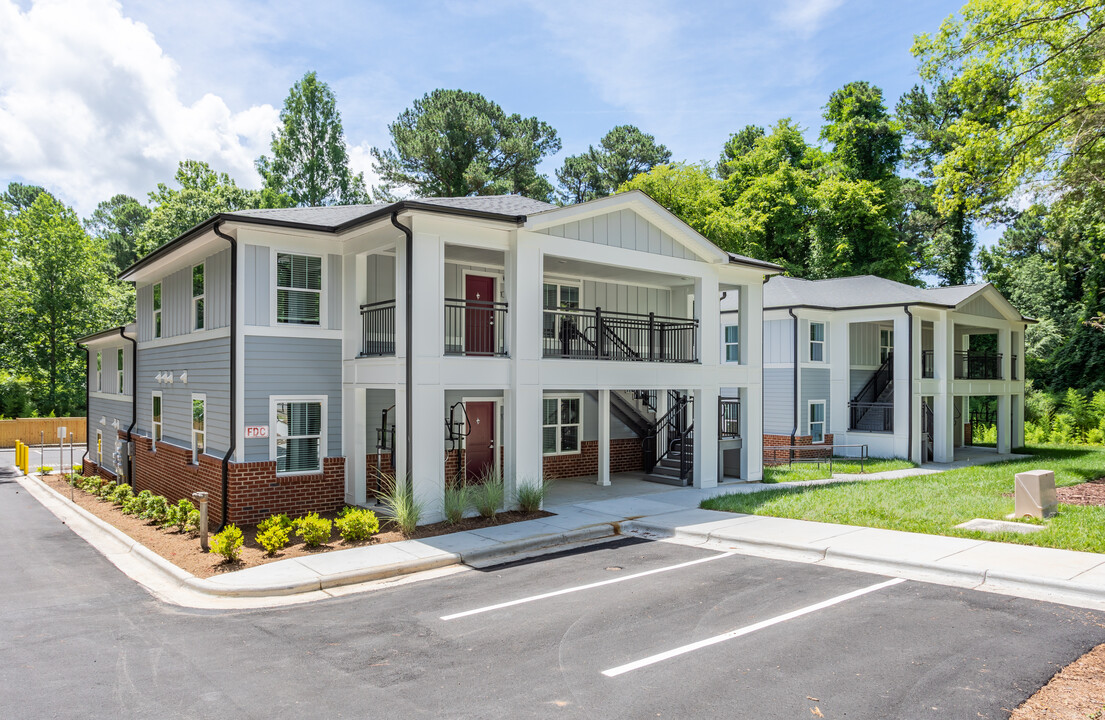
[
  {"x": 660, "y": 657},
  {"x": 565, "y": 591}
]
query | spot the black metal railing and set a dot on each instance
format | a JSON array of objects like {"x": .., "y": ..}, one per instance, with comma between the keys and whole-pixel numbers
[
  {"x": 818, "y": 454},
  {"x": 647, "y": 398},
  {"x": 475, "y": 327},
  {"x": 728, "y": 418},
  {"x": 871, "y": 416},
  {"x": 1013, "y": 369},
  {"x": 983, "y": 416},
  {"x": 977, "y": 366},
  {"x": 378, "y": 328},
  {"x": 672, "y": 434},
  {"x": 873, "y": 389},
  {"x": 601, "y": 335},
  {"x": 928, "y": 364}
]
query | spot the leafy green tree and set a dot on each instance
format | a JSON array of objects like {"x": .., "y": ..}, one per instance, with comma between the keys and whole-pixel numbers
[
  {"x": 310, "y": 160},
  {"x": 20, "y": 196},
  {"x": 623, "y": 153},
  {"x": 453, "y": 143},
  {"x": 691, "y": 193},
  {"x": 850, "y": 235},
  {"x": 203, "y": 192},
  {"x": 117, "y": 223},
  {"x": 737, "y": 146},
  {"x": 867, "y": 141}
]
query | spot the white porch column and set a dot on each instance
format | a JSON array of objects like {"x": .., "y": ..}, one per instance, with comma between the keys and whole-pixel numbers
[
  {"x": 707, "y": 304},
  {"x": 354, "y": 440},
  {"x": 604, "y": 438},
  {"x": 752, "y": 433},
  {"x": 1003, "y": 418},
  {"x": 943, "y": 421},
  {"x": 1005, "y": 349},
  {"x": 903, "y": 443},
  {"x": 428, "y": 456},
  {"x": 840, "y": 364},
  {"x": 705, "y": 437},
  {"x": 522, "y": 434},
  {"x": 1016, "y": 403}
]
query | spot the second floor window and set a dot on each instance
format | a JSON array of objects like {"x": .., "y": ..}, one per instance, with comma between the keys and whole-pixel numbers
[
  {"x": 886, "y": 344},
  {"x": 298, "y": 289},
  {"x": 119, "y": 371},
  {"x": 157, "y": 310},
  {"x": 817, "y": 342},
  {"x": 732, "y": 343},
  {"x": 197, "y": 297},
  {"x": 99, "y": 370}
]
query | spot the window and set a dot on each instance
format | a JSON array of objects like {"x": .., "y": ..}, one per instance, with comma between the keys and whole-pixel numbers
[
  {"x": 157, "y": 310},
  {"x": 156, "y": 414},
  {"x": 298, "y": 436},
  {"x": 99, "y": 371},
  {"x": 99, "y": 447},
  {"x": 199, "y": 426},
  {"x": 560, "y": 426},
  {"x": 817, "y": 342},
  {"x": 731, "y": 343},
  {"x": 558, "y": 297},
  {"x": 197, "y": 297},
  {"x": 298, "y": 289},
  {"x": 886, "y": 344},
  {"x": 817, "y": 421},
  {"x": 119, "y": 371}
]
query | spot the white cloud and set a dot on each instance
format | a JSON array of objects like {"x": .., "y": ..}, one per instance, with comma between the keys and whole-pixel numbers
[
  {"x": 805, "y": 17},
  {"x": 89, "y": 106},
  {"x": 360, "y": 160}
]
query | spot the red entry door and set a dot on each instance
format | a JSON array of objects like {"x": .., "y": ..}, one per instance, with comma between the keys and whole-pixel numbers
[
  {"x": 479, "y": 318},
  {"x": 479, "y": 446}
]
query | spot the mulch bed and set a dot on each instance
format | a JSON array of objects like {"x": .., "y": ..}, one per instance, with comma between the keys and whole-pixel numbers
[
  {"x": 1087, "y": 493},
  {"x": 183, "y": 549},
  {"x": 1077, "y": 692}
]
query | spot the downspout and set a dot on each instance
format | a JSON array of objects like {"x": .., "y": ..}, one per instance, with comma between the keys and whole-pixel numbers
[
  {"x": 133, "y": 403},
  {"x": 794, "y": 429},
  {"x": 409, "y": 343},
  {"x": 909, "y": 377},
  {"x": 233, "y": 370}
]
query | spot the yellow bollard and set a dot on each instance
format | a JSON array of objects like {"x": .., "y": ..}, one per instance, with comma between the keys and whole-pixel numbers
[{"x": 19, "y": 455}]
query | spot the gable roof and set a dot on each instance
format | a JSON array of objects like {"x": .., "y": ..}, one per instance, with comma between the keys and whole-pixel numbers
[
  {"x": 332, "y": 217},
  {"x": 864, "y": 291}
]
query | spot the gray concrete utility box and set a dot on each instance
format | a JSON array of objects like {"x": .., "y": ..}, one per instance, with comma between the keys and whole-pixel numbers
[{"x": 1034, "y": 494}]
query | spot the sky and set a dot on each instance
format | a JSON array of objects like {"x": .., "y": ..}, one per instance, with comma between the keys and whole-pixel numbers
[{"x": 99, "y": 97}]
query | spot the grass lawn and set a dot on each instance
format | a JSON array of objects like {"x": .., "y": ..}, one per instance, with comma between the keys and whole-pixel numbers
[
  {"x": 810, "y": 471},
  {"x": 935, "y": 504}
]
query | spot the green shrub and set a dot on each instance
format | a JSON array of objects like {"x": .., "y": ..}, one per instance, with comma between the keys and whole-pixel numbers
[
  {"x": 227, "y": 543},
  {"x": 272, "y": 521},
  {"x": 355, "y": 524},
  {"x": 488, "y": 495},
  {"x": 192, "y": 522},
  {"x": 172, "y": 517},
  {"x": 137, "y": 504},
  {"x": 1096, "y": 436},
  {"x": 78, "y": 469},
  {"x": 121, "y": 494},
  {"x": 157, "y": 509},
  {"x": 532, "y": 494},
  {"x": 273, "y": 538},
  {"x": 398, "y": 498},
  {"x": 458, "y": 498},
  {"x": 44, "y": 469},
  {"x": 312, "y": 529},
  {"x": 106, "y": 489},
  {"x": 182, "y": 512}
]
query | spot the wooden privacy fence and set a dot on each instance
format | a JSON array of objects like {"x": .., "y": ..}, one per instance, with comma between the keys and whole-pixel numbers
[{"x": 30, "y": 430}]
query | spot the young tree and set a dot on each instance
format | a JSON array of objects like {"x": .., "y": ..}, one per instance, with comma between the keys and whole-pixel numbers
[
  {"x": 310, "y": 160},
  {"x": 117, "y": 222},
  {"x": 737, "y": 146},
  {"x": 453, "y": 143},
  {"x": 623, "y": 153},
  {"x": 867, "y": 142}
]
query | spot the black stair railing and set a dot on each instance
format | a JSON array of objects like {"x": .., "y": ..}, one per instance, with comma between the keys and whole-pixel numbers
[
  {"x": 672, "y": 433},
  {"x": 868, "y": 410},
  {"x": 602, "y": 335}
]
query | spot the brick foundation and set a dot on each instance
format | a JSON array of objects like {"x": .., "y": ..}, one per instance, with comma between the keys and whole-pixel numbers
[
  {"x": 625, "y": 456},
  {"x": 968, "y": 434},
  {"x": 90, "y": 468},
  {"x": 775, "y": 456}
]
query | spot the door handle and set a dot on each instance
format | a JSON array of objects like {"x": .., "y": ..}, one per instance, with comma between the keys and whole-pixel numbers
[{"x": 491, "y": 445}]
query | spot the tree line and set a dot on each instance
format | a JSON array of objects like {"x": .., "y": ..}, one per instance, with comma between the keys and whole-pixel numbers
[{"x": 1004, "y": 125}]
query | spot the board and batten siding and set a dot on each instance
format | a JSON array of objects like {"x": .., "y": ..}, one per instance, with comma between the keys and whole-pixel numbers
[
  {"x": 857, "y": 378},
  {"x": 778, "y": 400},
  {"x": 779, "y": 342},
  {"x": 259, "y": 292},
  {"x": 615, "y": 297},
  {"x": 380, "y": 278},
  {"x": 625, "y": 229},
  {"x": 982, "y": 307},
  {"x": 208, "y": 365},
  {"x": 291, "y": 366},
  {"x": 109, "y": 367},
  {"x": 176, "y": 299},
  {"x": 814, "y": 386},
  {"x": 863, "y": 344},
  {"x": 376, "y": 401},
  {"x": 454, "y": 279}
]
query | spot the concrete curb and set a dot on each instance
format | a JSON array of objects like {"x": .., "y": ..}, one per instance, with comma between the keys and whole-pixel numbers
[{"x": 157, "y": 574}]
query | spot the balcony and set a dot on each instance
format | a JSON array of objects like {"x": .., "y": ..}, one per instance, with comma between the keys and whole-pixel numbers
[
  {"x": 871, "y": 417},
  {"x": 977, "y": 366},
  {"x": 728, "y": 421},
  {"x": 1013, "y": 369},
  {"x": 475, "y": 328},
  {"x": 629, "y": 337},
  {"x": 378, "y": 329},
  {"x": 928, "y": 364}
]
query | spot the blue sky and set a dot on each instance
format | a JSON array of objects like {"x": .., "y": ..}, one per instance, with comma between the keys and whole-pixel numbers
[{"x": 102, "y": 97}]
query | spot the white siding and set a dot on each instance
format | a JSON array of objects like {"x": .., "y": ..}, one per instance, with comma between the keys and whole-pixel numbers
[
  {"x": 864, "y": 344},
  {"x": 625, "y": 229},
  {"x": 981, "y": 306},
  {"x": 779, "y": 341},
  {"x": 381, "y": 278}
]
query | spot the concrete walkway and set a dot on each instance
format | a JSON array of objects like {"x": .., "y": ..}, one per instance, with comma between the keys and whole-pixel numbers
[{"x": 581, "y": 514}]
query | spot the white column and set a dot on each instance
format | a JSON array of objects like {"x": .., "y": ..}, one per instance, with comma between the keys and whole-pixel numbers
[
  {"x": 943, "y": 441},
  {"x": 752, "y": 433},
  {"x": 604, "y": 438},
  {"x": 1016, "y": 403},
  {"x": 428, "y": 456},
  {"x": 522, "y": 434},
  {"x": 840, "y": 364},
  {"x": 1003, "y": 418},
  {"x": 354, "y": 440},
  {"x": 902, "y": 390},
  {"x": 705, "y": 437},
  {"x": 707, "y": 304}
]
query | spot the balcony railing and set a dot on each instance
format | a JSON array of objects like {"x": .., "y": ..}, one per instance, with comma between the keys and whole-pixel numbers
[
  {"x": 871, "y": 416},
  {"x": 475, "y": 327},
  {"x": 977, "y": 366},
  {"x": 600, "y": 335},
  {"x": 1013, "y": 369},
  {"x": 729, "y": 417},
  {"x": 928, "y": 364},
  {"x": 378, "y": 328}
]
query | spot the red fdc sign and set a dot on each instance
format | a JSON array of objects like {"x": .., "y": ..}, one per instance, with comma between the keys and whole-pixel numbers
[{"x": 257, "y": 431}]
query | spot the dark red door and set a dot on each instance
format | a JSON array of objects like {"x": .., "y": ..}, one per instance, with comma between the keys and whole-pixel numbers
[
  {"x": 479, "y": 318},
  {"x": 479, "y": 447}
]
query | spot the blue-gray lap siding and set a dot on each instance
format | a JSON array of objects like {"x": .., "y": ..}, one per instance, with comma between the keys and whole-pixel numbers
[
  {"x": 815, "y": 386},
  {"x": 110, "y": 411},
  {"x": 778, "y": 400},
  {"x": 207, "y": 363},
  {"x": 291, "y": 366}
]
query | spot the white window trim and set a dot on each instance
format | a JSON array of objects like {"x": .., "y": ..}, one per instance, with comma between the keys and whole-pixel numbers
[
  {"x": 725, "y": 345},
  {"x": 157, "y": 426},
  {"x": 809, "y": 421},
  {"x": 200, "y": 297},
  {"x": 156, "y": 330},
  {"x": 191, "y": 423},
  {"x": 120, "y": 359},
  {"x": 558, "y": 397},
  {"x": 889, "y": 348},
  {"x": 824, "y": 334},
  {"x": 99, "y": 371},
  {"x": 323, "y": 454},
  {"x": 323, "y": 315}
]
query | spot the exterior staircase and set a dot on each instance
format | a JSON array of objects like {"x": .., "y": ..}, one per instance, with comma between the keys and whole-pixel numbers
[{"x": 872, "y": 409}]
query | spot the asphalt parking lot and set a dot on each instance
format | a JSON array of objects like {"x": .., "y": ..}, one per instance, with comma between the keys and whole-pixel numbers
[{"x": 619, "y": 629}]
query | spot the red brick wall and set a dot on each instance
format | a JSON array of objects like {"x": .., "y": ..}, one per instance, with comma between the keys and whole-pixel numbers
[
  {"x": 169, "y": 471},
  {"x": 774, "y": 456},
  {"x": 372, "y": 475},
  {"x": 968, "y": 433},
  {"x": 90, "y": 468},
  {"x": 625, "y": 456}
]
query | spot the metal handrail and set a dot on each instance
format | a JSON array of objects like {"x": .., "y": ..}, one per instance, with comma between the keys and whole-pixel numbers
[
  {"x": 860, "y": 411},
  {"x": 977, "y": 366},
  {"x": 820, "y": 457},
  {"x": 729, "y": 413},
  {"x": 378, "y": 328},
  {"x": 475, "y": 327},
  {"x": 609, "y": 335}
]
